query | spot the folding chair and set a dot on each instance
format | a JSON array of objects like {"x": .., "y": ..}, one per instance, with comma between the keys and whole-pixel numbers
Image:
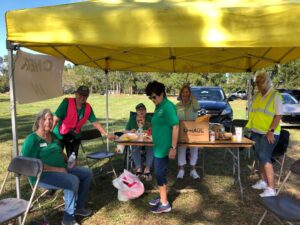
[
  {"x": 279, "y": 153},
  {"x": 99, "y": 155},
  {"x": 11, "y": 208},
  {"x": 282, "y": 206}
]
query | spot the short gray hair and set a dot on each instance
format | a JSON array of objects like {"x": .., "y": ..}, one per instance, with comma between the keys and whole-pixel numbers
[
  {"x": 266, "y": 76},
  {"x": 40, "y": 116}
]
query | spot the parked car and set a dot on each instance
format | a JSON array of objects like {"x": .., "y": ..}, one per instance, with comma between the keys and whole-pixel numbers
[
  {"x": 212, "y": 101},
  {"x": 238, "y": 95},
  {"x": 293, "y": 92},
  {"x": 291, "y": 110}
]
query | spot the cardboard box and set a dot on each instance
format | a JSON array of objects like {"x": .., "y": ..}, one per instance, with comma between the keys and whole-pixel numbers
[{"x": 191, "y": 131}]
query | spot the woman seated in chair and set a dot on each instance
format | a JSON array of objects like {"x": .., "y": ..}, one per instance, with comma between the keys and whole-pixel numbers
[
  {"x": 187, "y": 109},
  {"x": 138, "y": 123},
  {"x": 75, "y": 181}
]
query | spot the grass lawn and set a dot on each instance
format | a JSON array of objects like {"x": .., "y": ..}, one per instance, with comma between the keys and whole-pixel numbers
[{"x": 212, "y": 200}]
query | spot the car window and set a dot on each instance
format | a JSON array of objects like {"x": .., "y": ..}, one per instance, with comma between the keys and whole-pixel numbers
[
  {"x": 208, "y": 94},
  {"x": 288, "y": 99}
]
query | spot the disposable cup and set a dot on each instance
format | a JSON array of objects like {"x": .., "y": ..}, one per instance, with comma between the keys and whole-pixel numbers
[{"x": 239, "y": 133}]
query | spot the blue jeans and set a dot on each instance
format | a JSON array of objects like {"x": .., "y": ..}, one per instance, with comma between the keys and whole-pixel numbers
[
  {"x": 76, "y": 184},
  {"x": 136, "y": 156}
]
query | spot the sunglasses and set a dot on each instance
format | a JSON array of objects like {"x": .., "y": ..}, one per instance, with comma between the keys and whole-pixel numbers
[{"x": 152, "y": 97}]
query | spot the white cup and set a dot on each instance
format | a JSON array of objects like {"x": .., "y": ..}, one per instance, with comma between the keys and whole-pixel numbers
[{"x": 239, "y": 133}]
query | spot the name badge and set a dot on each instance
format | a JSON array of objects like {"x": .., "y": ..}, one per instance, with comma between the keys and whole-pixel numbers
[{"x": 43, "y": 145}]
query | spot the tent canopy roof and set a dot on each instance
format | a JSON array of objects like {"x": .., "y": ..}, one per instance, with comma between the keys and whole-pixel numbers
[{"x": 163, "y": 36}]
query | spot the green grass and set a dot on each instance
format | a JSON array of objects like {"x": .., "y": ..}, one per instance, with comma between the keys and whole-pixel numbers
[{"x": 212, "y": 200}]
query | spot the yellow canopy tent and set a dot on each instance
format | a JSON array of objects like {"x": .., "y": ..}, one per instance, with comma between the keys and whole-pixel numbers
[
  {"x": 166, "y": 36},
  {"x": 163, "y": 36}
]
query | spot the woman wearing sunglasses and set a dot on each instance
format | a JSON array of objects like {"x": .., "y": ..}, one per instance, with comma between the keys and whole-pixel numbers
[{"x": 165, "y": 135}]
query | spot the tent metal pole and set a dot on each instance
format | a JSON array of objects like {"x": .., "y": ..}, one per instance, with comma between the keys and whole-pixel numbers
[
  {"x": 10, "y": 48},
  {"x": 106, "y": 102}
]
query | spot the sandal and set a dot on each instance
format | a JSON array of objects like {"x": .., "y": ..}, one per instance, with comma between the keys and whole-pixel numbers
[
  {"x": 147, "y": 176},
  {"x": 139, "y": 174}
]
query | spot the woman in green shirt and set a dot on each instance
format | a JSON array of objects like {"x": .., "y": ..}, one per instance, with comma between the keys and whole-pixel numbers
[
  {"x": 165, "y": 135},
  {"x": 44, "y": 145},
  {"x": 138, "y": 123}
]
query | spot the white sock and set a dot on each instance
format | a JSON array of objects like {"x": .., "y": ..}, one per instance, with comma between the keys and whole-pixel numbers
[{"x": 165, "y": 204}]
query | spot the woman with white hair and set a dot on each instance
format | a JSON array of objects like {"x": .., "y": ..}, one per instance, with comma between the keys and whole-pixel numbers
[{"x": 264, "y": 118}]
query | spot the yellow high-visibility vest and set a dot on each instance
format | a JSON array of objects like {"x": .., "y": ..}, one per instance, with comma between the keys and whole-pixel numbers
[{"x": 262, "y": 113}]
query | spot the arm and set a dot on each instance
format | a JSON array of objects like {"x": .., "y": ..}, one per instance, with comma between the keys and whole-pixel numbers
[
  {"x": 55, "y": 121},
  {"x": 98, "y": 126},
  {"x": 48, "y": 168},
  {"x": 175, "y": 132},
  {"x": 274, "y": 124},
  {"x": 195, "y": 104}
]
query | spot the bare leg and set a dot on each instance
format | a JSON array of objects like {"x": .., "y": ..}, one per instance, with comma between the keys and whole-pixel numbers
[
  {"x": 269, "y": 174},
  {"x": 163, "y": 194}
]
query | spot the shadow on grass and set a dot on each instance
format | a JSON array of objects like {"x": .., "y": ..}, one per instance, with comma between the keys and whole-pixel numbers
[{"x": 215, "y": 199}]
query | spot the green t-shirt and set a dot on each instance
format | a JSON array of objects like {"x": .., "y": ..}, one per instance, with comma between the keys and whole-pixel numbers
[
  {"x": 61, "y": 113},
  {"x": 164, "y": 118},
  {"x": 49, "y": 153},
  {"x": 132, "y": 124}
]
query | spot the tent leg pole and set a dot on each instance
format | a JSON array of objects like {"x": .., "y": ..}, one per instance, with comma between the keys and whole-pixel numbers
[
  {"x": 10, "y": 49},
  {"x": 106, "y": 106}
]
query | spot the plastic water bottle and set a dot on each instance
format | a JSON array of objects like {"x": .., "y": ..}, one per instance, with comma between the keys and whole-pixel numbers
[{"x": 71, "y": 160}]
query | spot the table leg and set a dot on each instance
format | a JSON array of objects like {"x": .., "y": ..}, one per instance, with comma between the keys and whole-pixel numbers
[
  {"x": 202, "y": 162},
  {"x": 239, "y": 172}
]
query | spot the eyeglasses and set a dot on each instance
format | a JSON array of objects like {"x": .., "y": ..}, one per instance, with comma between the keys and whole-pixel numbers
[{"x": 152, "y": 97}]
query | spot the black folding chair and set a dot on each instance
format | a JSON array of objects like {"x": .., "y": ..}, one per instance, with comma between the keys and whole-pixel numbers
[
  {"x": 99, "y": 155},
  {"x": 11, "y": 208},
  {"x": 279, "y": 153},
  {"x": 283, "y": 207}
]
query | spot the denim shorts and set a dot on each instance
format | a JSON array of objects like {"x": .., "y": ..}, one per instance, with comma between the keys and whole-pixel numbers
[
  {"x": 160, "y": 170},
  {"x": 262, "y": 148}
]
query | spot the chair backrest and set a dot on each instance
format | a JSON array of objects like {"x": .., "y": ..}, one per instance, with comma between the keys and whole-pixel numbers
[
  {"x": 26, "y": 166},
  {"x": 282, "y": 144},
  {"x": 90, "y": 134},
  {"x": 132, "y": 113},
  {"x": 295, "y": 168},
  {"x": 238, "y": 123}
]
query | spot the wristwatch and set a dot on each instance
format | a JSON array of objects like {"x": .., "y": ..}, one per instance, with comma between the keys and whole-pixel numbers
[
  {"x": 174, "y": 147},
  {"x": 271, "y": 130}
]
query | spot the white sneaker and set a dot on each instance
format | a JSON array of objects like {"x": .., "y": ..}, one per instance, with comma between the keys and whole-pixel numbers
[
  {"x": 260, "y": 185},
  {"x": 268, "y": 192},
  {"x": 180, "y": 174},
  {"x": 194, "y": 174}
]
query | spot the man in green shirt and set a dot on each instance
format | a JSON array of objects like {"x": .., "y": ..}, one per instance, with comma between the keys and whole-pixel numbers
[{"x": 70, "y": 116}]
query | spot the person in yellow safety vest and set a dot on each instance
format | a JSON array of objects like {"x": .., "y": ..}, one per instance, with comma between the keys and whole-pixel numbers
[{"x": 264, "y": 118}]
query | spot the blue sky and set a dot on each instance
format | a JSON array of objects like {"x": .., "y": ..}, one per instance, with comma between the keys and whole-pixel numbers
[{"x": 7, "y": 5}]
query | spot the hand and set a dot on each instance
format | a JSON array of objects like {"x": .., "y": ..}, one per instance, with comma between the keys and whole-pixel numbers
[
  {"x": 111, "y": 137},
  {"x": 132, "y": 131},
  {"x": 62, "y": 170},
  {"x": 270, "y": 137},
  {"x": 172, "y": 153}
]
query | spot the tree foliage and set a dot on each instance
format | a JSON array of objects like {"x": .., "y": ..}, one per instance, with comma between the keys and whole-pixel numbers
[{"x": 285, "y": 76}]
